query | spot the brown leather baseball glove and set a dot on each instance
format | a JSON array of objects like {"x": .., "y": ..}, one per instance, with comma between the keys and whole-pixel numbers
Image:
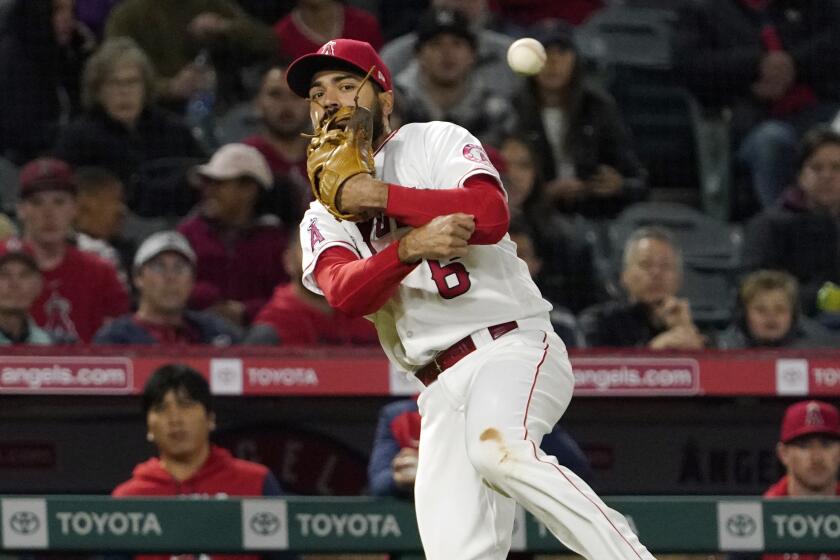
[{"x": 340, "y": 149}]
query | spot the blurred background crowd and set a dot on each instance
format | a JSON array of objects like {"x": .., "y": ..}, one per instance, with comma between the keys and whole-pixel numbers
[
  {"x": 673, "y": 165},
  {"x": 673, "y": 172}
]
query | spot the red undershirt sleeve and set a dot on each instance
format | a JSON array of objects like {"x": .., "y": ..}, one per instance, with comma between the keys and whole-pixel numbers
[
  {"x": 481, "y": 196},
  {"x": 360, "y": 286}
]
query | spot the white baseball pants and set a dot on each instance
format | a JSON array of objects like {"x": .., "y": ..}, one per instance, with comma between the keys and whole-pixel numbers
[{"x": 482, "y": 424}]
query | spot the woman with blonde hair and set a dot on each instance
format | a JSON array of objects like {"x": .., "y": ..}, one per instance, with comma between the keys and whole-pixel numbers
[{"x": 124, "y": 131}]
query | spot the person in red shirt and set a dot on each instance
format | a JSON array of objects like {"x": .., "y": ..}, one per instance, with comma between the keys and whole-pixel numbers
[
  {"x": 810, "y": 452},
  {"x": 296, "y": 316},
  {"x": 238, "y": 243},
  {"x": 314, "y": 22},
  {"x": 81, "y": 291},
  {"x": 179, "y": 415}
]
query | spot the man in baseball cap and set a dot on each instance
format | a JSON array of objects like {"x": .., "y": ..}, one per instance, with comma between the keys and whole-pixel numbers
[
  {"x": 20, "y": 284},
  {"x": 164, "y": 276},
  {"x": 81, "y": 291},
  {"x": 809, "y": 448},
  {"x": 345, "y": 60}
]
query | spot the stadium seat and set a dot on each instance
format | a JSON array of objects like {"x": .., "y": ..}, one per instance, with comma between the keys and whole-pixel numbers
[{"x": 685, "y": 150}]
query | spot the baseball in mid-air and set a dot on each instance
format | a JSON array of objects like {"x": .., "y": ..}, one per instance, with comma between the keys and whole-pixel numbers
[{"x": 526, "y": 56}]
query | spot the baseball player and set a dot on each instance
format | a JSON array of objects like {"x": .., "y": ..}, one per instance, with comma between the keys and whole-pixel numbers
[{"x": 427, "y": 258}]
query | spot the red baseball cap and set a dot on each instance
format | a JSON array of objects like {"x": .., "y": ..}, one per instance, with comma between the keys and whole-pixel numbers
[
  {"x": 338, "y": 54},
  {"x": 810, "y": 417},
  {"x": 14, "y": 248},
  {"x": 46, "y": 174}
]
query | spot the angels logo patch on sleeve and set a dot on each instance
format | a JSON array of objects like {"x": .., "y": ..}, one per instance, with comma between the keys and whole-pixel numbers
[
  {"x": 315, "y": 236},
  {"x": 476, "y": 153}
]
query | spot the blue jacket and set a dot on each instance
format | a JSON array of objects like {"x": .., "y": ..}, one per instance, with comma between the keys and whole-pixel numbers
[
  {"x": 385, "y": 448},
  {"x": 125, "y": 330}
]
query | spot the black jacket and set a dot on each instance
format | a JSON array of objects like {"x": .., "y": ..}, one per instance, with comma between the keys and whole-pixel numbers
[
  {"x": 793, "y": 238},
  {"x": 596, "y": 135},
  {"x": 617, "y": 324},
  {"x": 718, "y": 46},
  {"x": 152, "y": 159},
  {"x": 125, "y": 330},
  {"x": 39, "y": 88}
]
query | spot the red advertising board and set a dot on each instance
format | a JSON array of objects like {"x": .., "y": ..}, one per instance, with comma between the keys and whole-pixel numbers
[{"x": 253, "y": 371}]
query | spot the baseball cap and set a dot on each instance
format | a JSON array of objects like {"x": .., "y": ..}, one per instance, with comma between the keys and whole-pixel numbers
[
  {"x": 46, "y": 174},
  {"x": 437, "y": 22},
  {"x": 161, "y": 242},
  {"x": 232, "y": 161},
  {"x": 339, "y": 54},
  {"x": 14, "y": 248},
  {"x": 810, "y": 417}
]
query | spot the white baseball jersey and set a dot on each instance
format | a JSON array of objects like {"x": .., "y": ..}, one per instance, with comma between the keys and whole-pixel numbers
[{"x": 438, "y": 303}]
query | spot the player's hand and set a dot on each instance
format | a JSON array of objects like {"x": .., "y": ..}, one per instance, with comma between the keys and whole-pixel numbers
[
  {"x": 404, "y": 468},
  {"x": 362, "y": 195},
  {"x": 673, "y": 312},
  {"x": 605, "y": 182},
  {"x": 208, "y": 24},
  {"x": 566, "y": 189},
  {"x": 678, "y": 338},
  {"x": 445, "y": 237}
]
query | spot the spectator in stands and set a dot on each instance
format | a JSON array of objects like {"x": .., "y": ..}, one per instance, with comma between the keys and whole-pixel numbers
[
  {"x": 764, "y": 60},
  {"x": 267, "y": 11},
  {"x": 491, "y": 46},
  {"x": 239, "y": 248},
  {"x": 564, "y": 322},
  {"x": 164, "y": 276},
  {"x": 588, "y": 158},
  {"x": 81, "y": 291},
  {"x": 651, "y": 315},
  {"x": 445, "y": 86},
  {"x": 123, "y": 130},
  {"x": 20, "y": 284},
  {"x": 174, "y": 32},
  {"x": 802, "y": 234},
  {"x": 42, "y": 50},
  {"x": 809, "y": 449},
  {"x": 297, "y": 317},
  {"x": 521, "y": 16},
  {"x": 768, "y": 316},
  {"x": 314, "y": 22},
  {"x": 273, "y": 123},
  {"x": 100, "y": 216},
  {"x": 568, "y": 275},
  {"x": 94, "y": 14},
  {"x": 393, "y": 459},
  {"x": 180, "y": 417}
]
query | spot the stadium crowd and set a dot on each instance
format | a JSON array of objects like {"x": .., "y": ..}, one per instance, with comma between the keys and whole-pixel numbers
[{"x": 153, "y": 171}]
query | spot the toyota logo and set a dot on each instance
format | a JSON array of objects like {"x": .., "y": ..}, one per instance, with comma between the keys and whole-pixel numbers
[
  {"x": 264, "y": 523},
  {"x": 24, "y": 522},
  {"x": 741, "y": 525}
]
